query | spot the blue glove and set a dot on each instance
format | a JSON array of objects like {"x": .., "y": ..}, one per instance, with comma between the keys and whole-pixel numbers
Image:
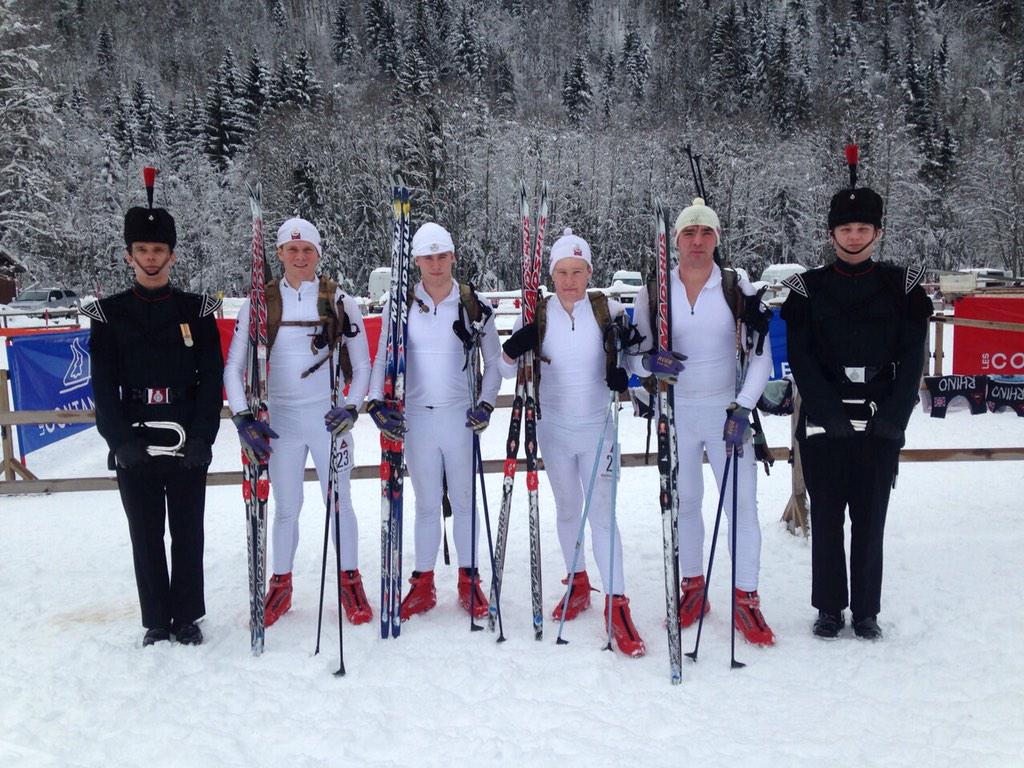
[
  {"x": 255, "y": 436},
  {"x": 664, "y": 364},
  {"x": 737, "y": 428},
  {"x": 340, "y": 419},
  {"x": 389, "y": 420},
  {"x": 479, "y": 418}
]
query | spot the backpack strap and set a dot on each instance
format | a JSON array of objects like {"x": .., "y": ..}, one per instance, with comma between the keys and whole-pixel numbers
[{"x": 272, "y": 296}]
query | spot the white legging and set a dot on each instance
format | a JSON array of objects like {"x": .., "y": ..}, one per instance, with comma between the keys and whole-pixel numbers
[
  {"x": 698, "y": 429},
  {"x": 301, "y": 430},
  {"x": 438, "y": 443},
  {"x": 569, "y": 461}
]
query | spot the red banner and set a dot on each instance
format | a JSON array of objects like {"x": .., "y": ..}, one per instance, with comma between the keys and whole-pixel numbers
[
  {"x": 983, "y": 350},
  {"x": 226, "y": 327}
]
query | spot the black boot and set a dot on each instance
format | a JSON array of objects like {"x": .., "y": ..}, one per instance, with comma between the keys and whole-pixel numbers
[
  {"x": 156, "y": 635},
  {"x": 827, "y": 624},
  {"x": 867, "y": 628},
  {"x": 189, "y": 634}
]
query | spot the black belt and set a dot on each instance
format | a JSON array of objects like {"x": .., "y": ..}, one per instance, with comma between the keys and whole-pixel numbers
[{"x": 159, "y": 395}]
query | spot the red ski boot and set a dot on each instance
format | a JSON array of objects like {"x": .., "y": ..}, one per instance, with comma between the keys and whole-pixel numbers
[
  {"x": 750, "y": 621},
  {"x": 421, "y": 597},
  {"x": 279, "y": 598},
  {"x": 691, "y": 595},
  {"x": 579, "y": 597},
  {"x": 469, "y": 579},
  {"x": 353, "y": 598},
  {"x": 625, "y": 634}
]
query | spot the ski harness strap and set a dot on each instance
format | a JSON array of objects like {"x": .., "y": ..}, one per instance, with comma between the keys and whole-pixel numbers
[{"x": 333, "y": 324}]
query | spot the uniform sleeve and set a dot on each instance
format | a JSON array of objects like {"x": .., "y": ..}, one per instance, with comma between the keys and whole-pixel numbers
[
  {"x": 110, "y": 420},
  {"x": 210, "y": 370},
  {"x": 491, "y": 349},
  {"x": 359, "y": 354},
  {"x": 510, "y": 369},
  {"x": 820, "y": 399},
  {"x": 642, "y": 321},
  {"x": 234, "y": 367},
  {"x": 896, "y": 409},
  {"x": 376, "y": 390}
]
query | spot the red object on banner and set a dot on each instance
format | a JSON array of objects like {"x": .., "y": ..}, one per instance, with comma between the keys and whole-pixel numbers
[{"x": 979, "y": 351}]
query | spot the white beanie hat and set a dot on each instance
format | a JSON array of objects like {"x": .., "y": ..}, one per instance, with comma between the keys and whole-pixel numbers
[
  {"x": 431, "y": 238},
  {"x": 701, "y": 215},
  {"x": 299, "y": 229},
  {"x": 569, "y": 246}
]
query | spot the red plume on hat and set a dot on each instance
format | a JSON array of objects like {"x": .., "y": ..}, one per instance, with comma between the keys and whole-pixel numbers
[
  {"x": 149, "y": 179},
  {"x": 852, "y": 156}
]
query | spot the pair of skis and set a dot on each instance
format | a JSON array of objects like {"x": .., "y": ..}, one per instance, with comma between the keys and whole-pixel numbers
[
  {"x": 668, "y": 460},
  {"x": 256, "y": 476},
  {"x": 392, "y": 463},
  {"x": 524, "y": 402}
]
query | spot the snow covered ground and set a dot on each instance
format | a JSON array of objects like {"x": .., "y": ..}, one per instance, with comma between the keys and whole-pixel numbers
[{"x": 943, "y": 688}]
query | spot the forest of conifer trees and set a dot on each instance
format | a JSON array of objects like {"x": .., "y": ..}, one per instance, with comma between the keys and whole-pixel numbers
[{"x": 327, "y": 101}]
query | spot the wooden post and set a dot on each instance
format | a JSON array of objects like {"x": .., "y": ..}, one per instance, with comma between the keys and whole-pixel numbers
[
  {"x": 940, "y": 331},
  {"x": 5, "y": 431},
  {"x": 795, "y": 515}
]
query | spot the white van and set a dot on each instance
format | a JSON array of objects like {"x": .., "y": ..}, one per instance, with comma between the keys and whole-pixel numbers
[
  {"x": 380, "y": 284},
  {"x": 626, "y": 277}
]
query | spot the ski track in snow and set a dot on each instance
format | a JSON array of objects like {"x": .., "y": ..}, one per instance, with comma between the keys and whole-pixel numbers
[{"x": 943, "y": 688}]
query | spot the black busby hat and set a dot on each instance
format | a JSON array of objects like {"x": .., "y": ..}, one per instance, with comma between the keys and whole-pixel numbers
[
  {"x": 862, "y": 205},
  {"x": 855, "y": 205},
  {"x": 149, "y": 225}
]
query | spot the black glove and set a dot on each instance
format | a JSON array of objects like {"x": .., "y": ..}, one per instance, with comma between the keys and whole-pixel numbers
[
  {"x": 757, "y": 317},
  {"x": 197, "y": 453},
  {"x": 839, "y": 428},
  {"x": 617, "y": 379},
  {"x": 521, "y": 342},
  {"x": 885, "y": 430},
  {"x": 131, "y": 454}
]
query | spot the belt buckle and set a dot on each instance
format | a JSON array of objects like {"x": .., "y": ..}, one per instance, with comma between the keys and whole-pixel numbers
[
  {"x": 158, "y": 395},
  {"x": 856, "y": 373}
]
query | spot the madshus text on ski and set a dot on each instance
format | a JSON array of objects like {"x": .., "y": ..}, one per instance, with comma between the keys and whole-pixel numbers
[{"x": 298, "y": 371}]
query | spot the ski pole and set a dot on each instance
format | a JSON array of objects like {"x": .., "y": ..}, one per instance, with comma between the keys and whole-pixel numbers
[
  {"x": 734, "y": 526},
  {"x": 490, "y": 541},
  {"x": 711, "y": 557}
]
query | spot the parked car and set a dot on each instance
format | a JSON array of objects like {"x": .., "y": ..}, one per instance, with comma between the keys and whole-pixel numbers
[{"x": 40, "y": 299}]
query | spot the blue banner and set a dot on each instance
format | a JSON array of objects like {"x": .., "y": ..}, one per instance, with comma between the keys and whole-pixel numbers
[
  {"x": 780, "y": 354},
  {"x": 50, "y": 372}
]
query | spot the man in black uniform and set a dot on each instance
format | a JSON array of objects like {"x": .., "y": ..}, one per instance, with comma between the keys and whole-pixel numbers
[
  {"x": 156, "y": 374},
  {"x": 855, "y": 331}
]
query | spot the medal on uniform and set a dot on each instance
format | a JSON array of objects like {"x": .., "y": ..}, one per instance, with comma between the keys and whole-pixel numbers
[{"x": 186, "y": 334}]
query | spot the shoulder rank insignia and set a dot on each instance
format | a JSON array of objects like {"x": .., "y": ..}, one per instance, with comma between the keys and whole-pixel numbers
[
  {"x": 796, "y": 283},
  {"x": 94, "y": 310},
  {"x": 914, "y": 274},
  {"x": 210, "y": 305}
]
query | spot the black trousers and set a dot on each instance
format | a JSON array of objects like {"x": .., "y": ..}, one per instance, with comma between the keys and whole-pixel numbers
[
  {"x": 161, "y": 489},
  {"x": 856, "y": 472}
]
